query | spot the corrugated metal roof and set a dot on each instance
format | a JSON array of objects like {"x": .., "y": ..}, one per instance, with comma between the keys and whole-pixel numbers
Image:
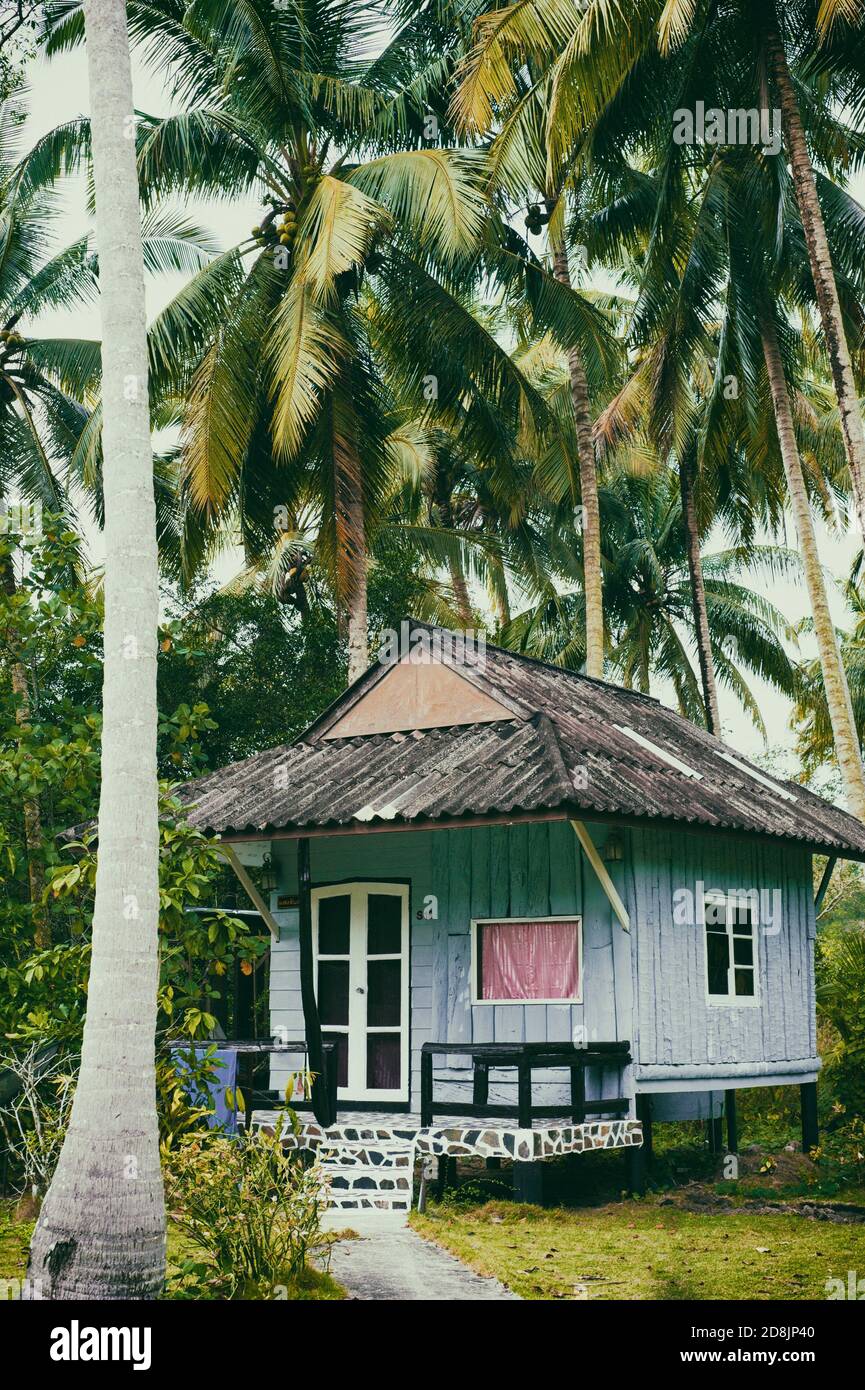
[
  {"x": 473, "y": 769},
  {"x": 568, "y": 751}
]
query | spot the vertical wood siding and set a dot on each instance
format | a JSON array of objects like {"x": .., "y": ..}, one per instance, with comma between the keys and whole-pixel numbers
[
  {"x": 648, "y": 987},
  {"x": 674, "y": 1022}
]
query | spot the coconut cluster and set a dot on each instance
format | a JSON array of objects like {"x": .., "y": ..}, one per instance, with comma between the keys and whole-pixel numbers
[
  {"x": 535, "y": 219},
  {"x": 291, "y": 583},
  {"x": 279, "y": 227}
]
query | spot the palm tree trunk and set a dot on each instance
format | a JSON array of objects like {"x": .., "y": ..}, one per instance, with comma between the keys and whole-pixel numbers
[
  {"x": 358, "y": 626},
  {"x": 352, "y": 558},
  {"x": 501, "y": 606},
  {"x": 698, "y": 596},
  {"x": 461, "y": 595},
  {"x": 592, "y": 574},
  {"x": 101, "y": 1232},
  {"x": 458, "y": 579},
  {"x": 645, "y": 677},
  {"x": 822, "y": 273},
  {"x": 33, "y": 836},
  {"x": 834, "y": 677}
]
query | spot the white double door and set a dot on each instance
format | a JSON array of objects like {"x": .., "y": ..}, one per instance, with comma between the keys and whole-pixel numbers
[{"x": 361, "y": 943}]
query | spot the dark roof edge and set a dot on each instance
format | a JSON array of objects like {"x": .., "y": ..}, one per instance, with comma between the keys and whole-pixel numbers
[{"x": 564, "y": 811}]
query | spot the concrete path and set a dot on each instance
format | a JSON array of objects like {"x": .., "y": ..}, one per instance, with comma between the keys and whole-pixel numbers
[{"x": 391, "y": 1262}]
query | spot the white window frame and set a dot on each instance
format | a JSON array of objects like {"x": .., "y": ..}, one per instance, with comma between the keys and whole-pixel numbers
[
  {"x": 731, "y": 1001},
  {"x": 523, "y": 921},
  {"x": 357, "y": 1027}
]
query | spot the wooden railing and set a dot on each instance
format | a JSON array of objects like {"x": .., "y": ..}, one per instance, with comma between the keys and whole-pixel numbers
[
  {"x": 523, "y": 1058},
  {"x": 251, "y": 1052}
]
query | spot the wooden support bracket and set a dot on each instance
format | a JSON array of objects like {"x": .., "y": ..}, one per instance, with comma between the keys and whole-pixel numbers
[
  {"x": 824, "y": 882},
  {"x": 600, "y": 869},
  {"x": 230, "y": 855}
]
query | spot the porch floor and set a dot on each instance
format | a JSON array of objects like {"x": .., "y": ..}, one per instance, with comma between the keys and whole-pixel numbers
[{"x": 453, "y": 1137}]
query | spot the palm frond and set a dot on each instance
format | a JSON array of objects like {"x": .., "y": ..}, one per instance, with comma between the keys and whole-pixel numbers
[
  {"x": 675, "y": 23},
  {"x": 304, "y": 351},
  {"x": 336, "y": 233},
  {"x": 437, "y": 194}
]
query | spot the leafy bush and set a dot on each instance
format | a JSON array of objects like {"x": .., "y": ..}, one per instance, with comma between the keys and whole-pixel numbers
[
  {"x": 197, "y": 948},
  {"x": 250, "y": 1208},
  {"x": 840, "y": 1155},
  {"x": 37, "y": 1087},
  {"x": 769, "y": 1116},
  {"x": 183, "y": 1098},
  {"x": 49, "y": 764},
  {"x": 841, "y": 1000}
]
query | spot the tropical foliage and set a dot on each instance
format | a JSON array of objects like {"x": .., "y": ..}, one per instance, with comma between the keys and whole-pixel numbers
[
  {"x": 550, "y": 320},
  {"x": 251, "y": 1210}
]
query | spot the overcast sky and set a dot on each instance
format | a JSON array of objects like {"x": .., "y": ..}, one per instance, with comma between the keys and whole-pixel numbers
[{"x": 58, "y": 92}]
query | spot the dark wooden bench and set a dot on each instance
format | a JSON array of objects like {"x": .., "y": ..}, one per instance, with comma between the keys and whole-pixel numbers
[{"x": 524, "y": 1058}]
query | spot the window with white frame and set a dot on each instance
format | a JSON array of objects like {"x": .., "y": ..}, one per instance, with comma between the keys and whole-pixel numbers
[
  {"x": 527, "y": 960},
  {"x": 731, "y": 948}
]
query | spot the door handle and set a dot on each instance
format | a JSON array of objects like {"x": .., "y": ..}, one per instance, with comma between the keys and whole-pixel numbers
[{"x": 359, "y": 990}]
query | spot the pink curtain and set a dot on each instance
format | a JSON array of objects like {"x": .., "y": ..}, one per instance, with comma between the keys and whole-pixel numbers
[{"x": 529, "y": 960}]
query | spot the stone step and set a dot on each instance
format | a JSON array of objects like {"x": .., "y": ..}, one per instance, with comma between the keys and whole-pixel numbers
[
  {"x": 371, "y": 1205},
  {"x": 362, "y": 1156},
  {"x": 370, "y": 1177}
]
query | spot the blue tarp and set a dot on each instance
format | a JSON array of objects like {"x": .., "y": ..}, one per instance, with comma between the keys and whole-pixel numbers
[{"x": 224, "y": 1064}]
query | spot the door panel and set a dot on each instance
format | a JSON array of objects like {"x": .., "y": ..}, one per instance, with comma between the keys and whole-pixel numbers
[
  {"x": 384, "y": 993},
  {"x": 383, "y": 1061},
  {"x": 384, "y": 914},
  {"x": 361, "y": 938},
  {"x": 334, "y": 925},
  {"x": 333, "y": 987}
]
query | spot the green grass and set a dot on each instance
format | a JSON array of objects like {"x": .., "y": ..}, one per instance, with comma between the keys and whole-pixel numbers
[
  {"x": 640, "y": 1250},
  {"x": 318, "y": 1285},
  {"x": 312, "y": 1284},
  {"x": 14, "y": 1242}
]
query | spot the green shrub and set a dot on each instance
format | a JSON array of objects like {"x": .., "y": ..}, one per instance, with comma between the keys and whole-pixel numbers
[
  {"x": 251, "y": 1210},
  {"x": 183, "y": 1100},
  {"x": 840, "y": 1155},
  {"x": 841, "y": 1001}
]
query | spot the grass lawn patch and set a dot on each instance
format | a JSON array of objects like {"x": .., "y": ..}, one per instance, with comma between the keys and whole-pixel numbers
[
  {"x": 640, "y": 1250},
  {"x": 14, "y": 1243}
]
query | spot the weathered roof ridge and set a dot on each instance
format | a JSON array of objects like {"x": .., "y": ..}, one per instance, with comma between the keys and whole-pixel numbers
[
  {"x": 523, "y": 657},
  {"x": 480, "y": 675}
]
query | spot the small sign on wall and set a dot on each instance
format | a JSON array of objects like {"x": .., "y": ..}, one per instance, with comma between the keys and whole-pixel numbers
[
  {"x": 252, "y": 854},
  {"x": 286, "y": 900}
]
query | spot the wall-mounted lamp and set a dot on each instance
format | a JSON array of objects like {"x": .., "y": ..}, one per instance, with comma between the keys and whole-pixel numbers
[
  {"x": 614, "y": 850},
  {"x": 267, "y": 882}
]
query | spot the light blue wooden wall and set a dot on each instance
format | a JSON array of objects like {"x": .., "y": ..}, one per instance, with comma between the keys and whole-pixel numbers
[
  {"x": 536, "y": 871},
  {"x": 533, "y": 870},
  {"x": 648, "y": 988},
  {"x": 673, "y": 1022}
]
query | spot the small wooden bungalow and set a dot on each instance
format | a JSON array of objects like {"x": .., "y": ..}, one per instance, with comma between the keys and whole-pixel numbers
[{"x": 519, "y": 912}]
